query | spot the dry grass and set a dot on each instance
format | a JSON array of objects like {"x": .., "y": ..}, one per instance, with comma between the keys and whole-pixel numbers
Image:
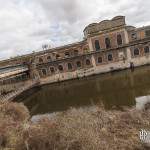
[
  {"x": 13, "y": 117},
  {"x": 76, "y": 129}
]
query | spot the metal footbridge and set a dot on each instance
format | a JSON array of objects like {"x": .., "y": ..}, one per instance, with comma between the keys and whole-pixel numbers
[{"x": 12, "y": 70}]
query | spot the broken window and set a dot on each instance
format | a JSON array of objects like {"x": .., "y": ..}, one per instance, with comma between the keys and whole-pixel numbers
[
  {"x": 49, "y": 58},
  {"x": 76, "y": 52},
  {"x": 60, "y": 67},
  {"x": 40, "y": 60},
  {"x": 146, "y": 49},
  {"x": 134, "y": 36},
  {"x": 97, "y": 45},
  {"x": 107, "y": 43},
  {"x": 44, "y": 72},
  {"x": 67, "y": 54},
  {"x": 52, "y": 69},
  {"x": 110, "y": 57},
  {"x": 99, "y": 60},
  {"x": 119, "y": 39},
  {"x": 78, "y": 64},
  {"x": 147, "y": 32},
  {"x": 136, "y": 52},
  {"x": 88, "y": 62},
  {"x": 69, "y": 66}
]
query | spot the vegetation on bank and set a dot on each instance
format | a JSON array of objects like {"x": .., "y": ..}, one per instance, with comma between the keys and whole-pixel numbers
[{"x": 76, "y": 129}]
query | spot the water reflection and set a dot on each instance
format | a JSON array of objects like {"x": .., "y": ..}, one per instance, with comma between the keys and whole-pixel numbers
[
  {"x": 142, "y": 101},
  {"x": 114, "y": 90}
]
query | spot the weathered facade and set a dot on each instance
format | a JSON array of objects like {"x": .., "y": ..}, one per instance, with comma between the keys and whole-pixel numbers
[{"x": 108, "y": 45}]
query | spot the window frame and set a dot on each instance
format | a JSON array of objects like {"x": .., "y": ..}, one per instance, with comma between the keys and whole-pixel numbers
[
  {"x": 67, "y": 54},
  {"x": 135, "y": 55},
  {"x": 62, "y": 69},
  {"x": 97, "y": 45},
  {"x": 70, "y": 66},
  {"x": 134, "y": 36},
  {"x": 76, "y": 52},
  {"x": 98, "y": 59},
  {"x": 147, "y": 32},
  {"x": 44, "y": 73},
  {"x": 145, "y": 50},
  {"x": 119, "y": 40},
  {"x": 49, "y": 59},
  {"x": 57, "y": 56},
  {"x": 111, "y": 57},
  {"x": 41, "y": 60},
  {"x": 77, "y": 64},
  {"x": 52, "y": 72},
  {"x": 107, "y": 43},
  {"x": 89, "y": 62}
]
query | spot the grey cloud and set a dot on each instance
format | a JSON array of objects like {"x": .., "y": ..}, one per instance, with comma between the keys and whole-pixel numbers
[
  {"x": 26, "y": 24},
  {"x": 64, "y": 10}
]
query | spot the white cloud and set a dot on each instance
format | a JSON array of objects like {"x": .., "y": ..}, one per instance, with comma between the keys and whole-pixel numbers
[{"x": 25, "y": 25}]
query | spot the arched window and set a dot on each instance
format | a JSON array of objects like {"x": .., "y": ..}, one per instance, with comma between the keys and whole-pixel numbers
[
  {"x": 99, "y": 60},
  {"x": 44, "y": 72},
  {"x": 88, "y": 62},
  {"x": 52, "y": 69},
  {"x": 146, "y": 49},
  {"x": 97, "y": 45},
  {"x": 78, "y": 64},
  {"x": 40, "y": 60},
  {"x": 69, "y": 66},
  {"x": 60, "y": 67},
  {"x": 107, "y": 43},
  {"x": 49, "y": 58},
  {"x": 119, "y": 39},
  {"x": 110, "y": 57},
  {"x": 136, "y": 52}
]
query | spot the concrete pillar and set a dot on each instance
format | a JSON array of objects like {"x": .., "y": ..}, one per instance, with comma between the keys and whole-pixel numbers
[
  {"x": 93, "y": 61},
  {"x": 89, "y": 40},
  {"x": 129, "y": 58},
  {"x": 34, "y": 74},
  {"x": 126, "y": 36}
]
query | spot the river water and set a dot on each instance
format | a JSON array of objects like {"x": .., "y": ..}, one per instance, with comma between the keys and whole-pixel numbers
[{"x": 115, "y": 90}]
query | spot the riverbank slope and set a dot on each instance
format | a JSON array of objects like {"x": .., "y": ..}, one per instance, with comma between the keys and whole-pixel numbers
[{"x": 89, "y": 128}]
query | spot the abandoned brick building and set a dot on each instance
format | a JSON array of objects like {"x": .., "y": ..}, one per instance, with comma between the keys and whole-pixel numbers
[{"x": 108, "y": 45}]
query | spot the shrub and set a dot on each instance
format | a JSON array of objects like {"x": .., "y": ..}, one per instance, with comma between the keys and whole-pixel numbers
[
  {"x": 13, "y": 117},
  {"x": 91, "y": 128}
]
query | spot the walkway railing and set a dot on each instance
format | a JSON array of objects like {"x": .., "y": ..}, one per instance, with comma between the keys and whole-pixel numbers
[{"x": 10, "y": 96}]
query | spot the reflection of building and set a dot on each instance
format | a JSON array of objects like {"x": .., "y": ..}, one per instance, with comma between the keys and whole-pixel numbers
[{"x": 108, "y": 45}]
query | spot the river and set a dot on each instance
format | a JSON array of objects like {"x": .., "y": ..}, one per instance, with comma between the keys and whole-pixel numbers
[{"x": 114, "y": 90}]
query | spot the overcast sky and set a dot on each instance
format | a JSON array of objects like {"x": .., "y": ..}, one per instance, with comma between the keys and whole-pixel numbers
[{"x": 25, "y": 25}]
